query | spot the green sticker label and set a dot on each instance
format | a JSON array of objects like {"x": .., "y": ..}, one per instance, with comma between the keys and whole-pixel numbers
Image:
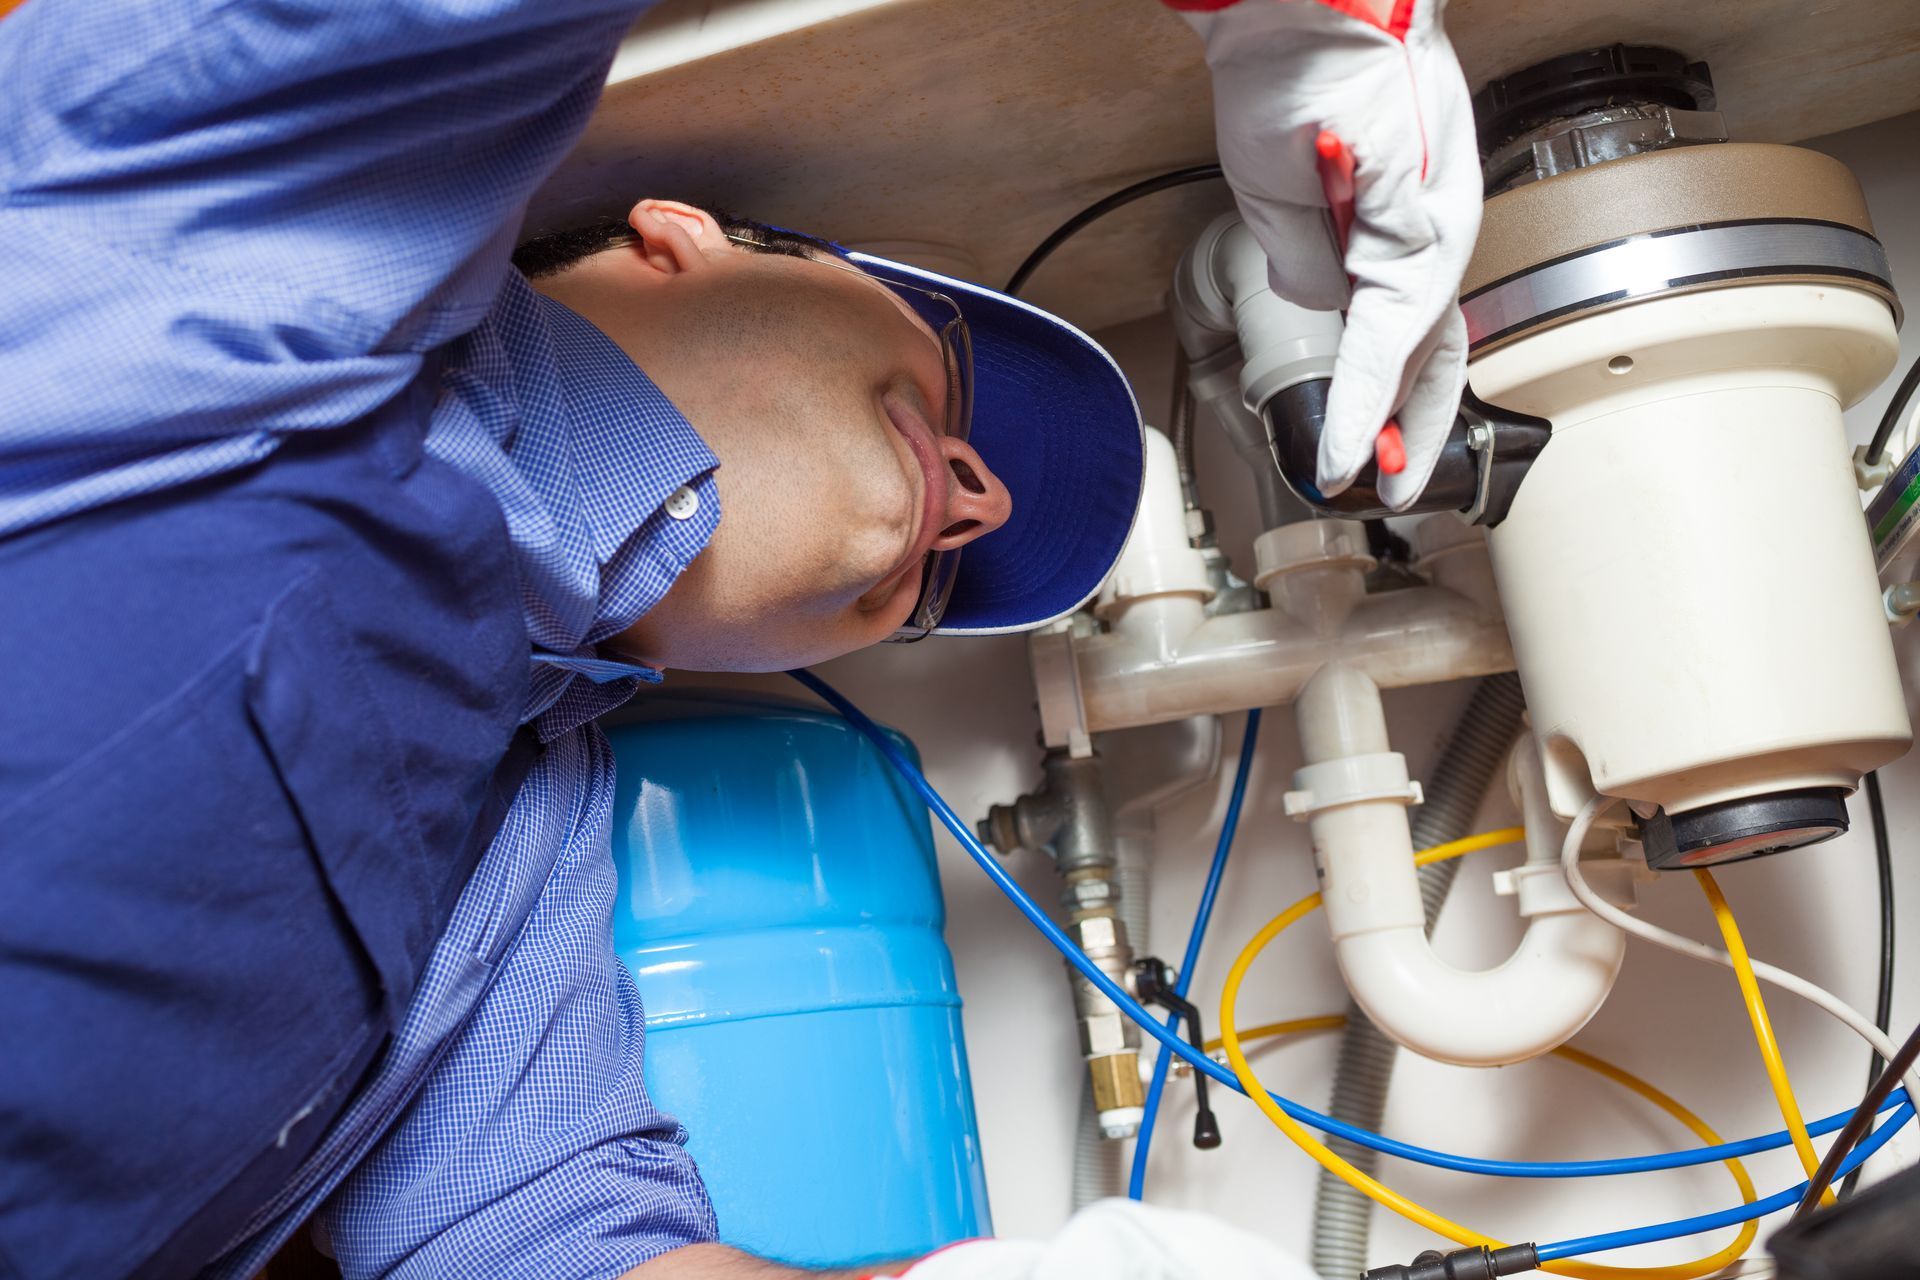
[{"x": 1895, "y": 510}]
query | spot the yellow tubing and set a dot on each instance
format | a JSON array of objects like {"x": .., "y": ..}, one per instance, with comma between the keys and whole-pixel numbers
[
  {"x": 1379, "y": 1192},
  {"x": 1566, "y": 1052},
  {"x": 1291, "y": 1027},
  {"x": 1762, "y": 1027}
]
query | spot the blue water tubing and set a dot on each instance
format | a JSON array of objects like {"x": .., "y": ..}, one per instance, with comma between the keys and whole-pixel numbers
[
  {"x": 1137, "y": 1181},
  {"x": 1037, "y": 917}
]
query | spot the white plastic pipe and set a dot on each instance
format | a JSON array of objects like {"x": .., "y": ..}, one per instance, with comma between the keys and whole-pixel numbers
[
  {"x": 1158, "y": 591},
  {"x": 1546, "y": 991},
  {"x": 1263, "y": 657},
  {"x": 1222, "y": 289},
  {"x": 1155, "y": 666}
]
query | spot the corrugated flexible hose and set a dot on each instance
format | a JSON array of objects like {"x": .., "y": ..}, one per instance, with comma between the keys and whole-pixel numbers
[{"x": 1342, "y": 1216}]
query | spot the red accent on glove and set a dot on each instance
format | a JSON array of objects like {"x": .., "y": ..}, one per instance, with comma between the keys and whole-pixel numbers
[
  {"x": 1335, "y": 161},
  {"x": 1399, "y": 20},
  {"x": 1389, "y": 450}
]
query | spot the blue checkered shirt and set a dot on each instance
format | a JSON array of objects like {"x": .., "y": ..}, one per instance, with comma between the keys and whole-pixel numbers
[{"x": 287, "y": 209}]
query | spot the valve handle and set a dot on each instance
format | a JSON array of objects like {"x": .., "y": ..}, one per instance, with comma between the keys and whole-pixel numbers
[{"x": 1151, "y": 985}]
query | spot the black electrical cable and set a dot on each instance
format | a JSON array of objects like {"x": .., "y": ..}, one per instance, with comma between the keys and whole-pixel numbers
[
  {"x": 1858, "y": 1123},
  {"x": 1100, "y": 209},
  {"x": 1883, "y": 1000},
  {"x": 1896, "y": 409}
]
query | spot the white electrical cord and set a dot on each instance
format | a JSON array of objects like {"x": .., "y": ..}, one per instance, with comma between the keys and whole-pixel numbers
[
  {"x": 1900, "y": 442},
  {"x": 1855, "y": 1021}
]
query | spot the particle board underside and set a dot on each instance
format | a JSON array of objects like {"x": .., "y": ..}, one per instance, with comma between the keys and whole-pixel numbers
[{"x": 957, "y": 133}]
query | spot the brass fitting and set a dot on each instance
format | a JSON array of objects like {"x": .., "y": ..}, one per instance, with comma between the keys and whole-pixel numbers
[{"x": 1117, "y": 1094}]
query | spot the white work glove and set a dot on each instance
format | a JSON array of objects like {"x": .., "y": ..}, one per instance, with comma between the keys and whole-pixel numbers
[
  {"x": 1119, "y": 1240},
  {"x": 1283, "y": 71}
]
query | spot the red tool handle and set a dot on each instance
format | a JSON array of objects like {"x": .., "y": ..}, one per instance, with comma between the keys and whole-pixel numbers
[{"x": 1335, "y": 162}]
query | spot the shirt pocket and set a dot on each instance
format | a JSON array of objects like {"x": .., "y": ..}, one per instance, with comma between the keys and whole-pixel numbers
[
  {"x": 336, "y": 754},
  {"x": 183, "y": 988}
]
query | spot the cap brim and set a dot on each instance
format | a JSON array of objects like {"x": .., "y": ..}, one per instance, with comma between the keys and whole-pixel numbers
[{"x": 1054, "y": 418}]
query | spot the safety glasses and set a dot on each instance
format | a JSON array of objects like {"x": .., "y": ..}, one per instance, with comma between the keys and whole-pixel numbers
[{"x": 942, "y": 315}]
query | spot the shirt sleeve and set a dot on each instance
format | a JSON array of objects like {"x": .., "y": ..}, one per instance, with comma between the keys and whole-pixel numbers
[
  {"x": 230, "y": 219},
  {"x": 533, "y": 1149}
]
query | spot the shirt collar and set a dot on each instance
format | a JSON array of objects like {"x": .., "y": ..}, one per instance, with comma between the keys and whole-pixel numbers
[{"x": 615, "y": 409}]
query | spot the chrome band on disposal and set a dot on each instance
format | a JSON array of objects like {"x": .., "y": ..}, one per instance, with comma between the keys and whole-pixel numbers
[{"x": 1685, "y": 258}]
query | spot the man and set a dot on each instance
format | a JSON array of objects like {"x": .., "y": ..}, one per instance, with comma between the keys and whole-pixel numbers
[{"x": 324, "y": 536}]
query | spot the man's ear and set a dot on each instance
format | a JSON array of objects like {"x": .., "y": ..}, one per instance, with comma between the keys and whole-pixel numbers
[{"x": 676, "y": 237}]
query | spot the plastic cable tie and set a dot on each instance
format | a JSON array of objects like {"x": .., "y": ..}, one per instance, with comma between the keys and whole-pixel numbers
[
  {"x": 1871, "y": 475},
  {"x": 1543, "y": 890}
]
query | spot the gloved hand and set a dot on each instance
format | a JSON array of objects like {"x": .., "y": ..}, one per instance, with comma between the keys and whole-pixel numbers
[
  {"x": 1119, "y": 1240},
  {"x": 1284, "y": 71}
]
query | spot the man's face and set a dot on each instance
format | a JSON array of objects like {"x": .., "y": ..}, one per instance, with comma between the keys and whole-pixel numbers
[{"x": 823, "y": 394}]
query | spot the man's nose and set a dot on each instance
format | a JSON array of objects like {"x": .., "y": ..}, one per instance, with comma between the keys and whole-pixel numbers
[{"x": 977, "y": 503}]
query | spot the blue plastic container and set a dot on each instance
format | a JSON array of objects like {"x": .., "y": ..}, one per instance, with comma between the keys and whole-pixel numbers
[{"x": 780, "y": 909}]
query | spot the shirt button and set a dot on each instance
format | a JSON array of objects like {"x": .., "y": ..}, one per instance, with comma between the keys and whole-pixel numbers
[{"x": 682, "y": 503}]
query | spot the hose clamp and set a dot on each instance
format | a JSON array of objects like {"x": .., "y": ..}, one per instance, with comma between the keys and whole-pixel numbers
[{"x": 1680, "y": 260}]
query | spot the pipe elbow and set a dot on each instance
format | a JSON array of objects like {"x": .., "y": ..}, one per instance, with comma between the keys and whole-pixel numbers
[{"x": 1551, "y": 986}]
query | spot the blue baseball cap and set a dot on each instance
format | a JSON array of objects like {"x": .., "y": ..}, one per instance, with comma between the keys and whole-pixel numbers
[{"x": 1054, "y": 418}]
